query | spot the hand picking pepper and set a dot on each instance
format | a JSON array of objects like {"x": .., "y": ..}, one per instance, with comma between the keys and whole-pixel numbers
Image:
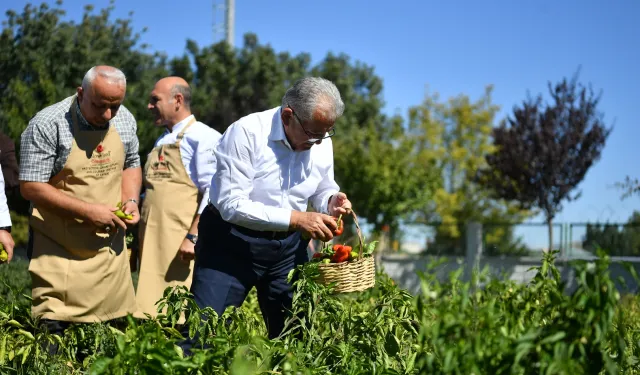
[{"x": 119, "y": 213}]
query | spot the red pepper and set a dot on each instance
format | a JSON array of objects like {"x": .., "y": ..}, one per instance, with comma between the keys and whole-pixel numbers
[
  {"x": 340, "y": 228},
  {"x": 337, "y": 247},
  {"x": 317, "y": 255},
  {"x": 341, "y": 255}
]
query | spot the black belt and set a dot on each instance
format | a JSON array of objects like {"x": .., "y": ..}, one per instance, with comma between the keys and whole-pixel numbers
[{"x": 266, "y": 234}]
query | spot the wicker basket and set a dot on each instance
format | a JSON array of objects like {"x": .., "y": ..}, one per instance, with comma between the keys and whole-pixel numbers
[{"x": 352, "y": 276}]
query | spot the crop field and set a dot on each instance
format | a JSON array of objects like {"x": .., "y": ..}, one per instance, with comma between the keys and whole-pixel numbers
[{"x": 450, "y": 328}]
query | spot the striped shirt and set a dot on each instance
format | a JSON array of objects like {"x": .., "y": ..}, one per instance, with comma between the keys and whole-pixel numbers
[{"x": 46, "y": 142}]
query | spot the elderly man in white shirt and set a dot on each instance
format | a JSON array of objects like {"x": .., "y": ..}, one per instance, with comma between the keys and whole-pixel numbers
[
  {"x": 5, "y": 222},
  {"x": 176, "y": 176},
  {"x": 270, "y": 166}
]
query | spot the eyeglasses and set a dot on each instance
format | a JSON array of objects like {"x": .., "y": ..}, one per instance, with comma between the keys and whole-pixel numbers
[{"x": 313, "y": 137}]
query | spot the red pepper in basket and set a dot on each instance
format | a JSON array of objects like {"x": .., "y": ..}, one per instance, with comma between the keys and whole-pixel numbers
[{"x": 341, "y": 255}]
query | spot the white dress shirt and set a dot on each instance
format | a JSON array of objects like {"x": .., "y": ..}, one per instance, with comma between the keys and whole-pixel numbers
[
  {"x": 5, "y": 217},
  {"x": 196, "y": 152},
  {"x": 259, "y": 179}
]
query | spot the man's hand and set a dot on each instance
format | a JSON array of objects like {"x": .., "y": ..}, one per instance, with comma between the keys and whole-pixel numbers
[
  {"x": 104, "y": 218},
  {"x": 315, "y": 225},
  {"x": 131, "y": 208},
  {"x": 7, "y": 241},
  {"x": 187, "y": 251},
  {"x": 339, "y": 205}
]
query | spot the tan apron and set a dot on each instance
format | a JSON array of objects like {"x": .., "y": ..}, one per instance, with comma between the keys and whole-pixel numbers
[
  {"x": 171, "y": 202},
  {"x": 79, "y": 275}
]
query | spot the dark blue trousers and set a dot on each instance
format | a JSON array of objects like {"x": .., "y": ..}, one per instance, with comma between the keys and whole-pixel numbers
[{"x": 231, "y": 260}]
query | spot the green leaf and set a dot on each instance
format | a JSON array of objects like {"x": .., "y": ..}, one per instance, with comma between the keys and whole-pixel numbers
[
  {"x": 370, "y": 247},
  {"x": 553, "y": 338}
]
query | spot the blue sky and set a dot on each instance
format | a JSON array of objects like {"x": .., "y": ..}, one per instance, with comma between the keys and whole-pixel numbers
[{"x": 451, "y": 47}]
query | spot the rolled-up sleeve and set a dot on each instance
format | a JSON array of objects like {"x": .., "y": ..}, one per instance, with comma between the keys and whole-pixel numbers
[
  {"x": 205, "y": 165},
  {"x": 38, "y": 150},
  {"x": 327, "y": 187},
  {"x": 232, "y": 184},
  {"x": 5, "y": 216}
]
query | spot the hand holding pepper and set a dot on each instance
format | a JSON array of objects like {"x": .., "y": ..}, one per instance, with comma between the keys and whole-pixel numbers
[
  {"x": 339, "y": 204},
  {"x": 131, "y": 213}
]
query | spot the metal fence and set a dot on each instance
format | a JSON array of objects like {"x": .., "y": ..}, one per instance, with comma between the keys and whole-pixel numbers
[
  {"x": 574, "y": 240},
  {"x": 613, "y": 238}
]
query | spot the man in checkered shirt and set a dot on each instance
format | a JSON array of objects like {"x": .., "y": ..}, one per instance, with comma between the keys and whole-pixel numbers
[{"x": 79, "y": 158}]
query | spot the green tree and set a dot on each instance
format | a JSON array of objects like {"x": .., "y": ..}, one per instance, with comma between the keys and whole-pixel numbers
[
  {"x": 229, "y": 84},
  {"x": 456, "y": 136},
  {"x": 43, "y": 59}
]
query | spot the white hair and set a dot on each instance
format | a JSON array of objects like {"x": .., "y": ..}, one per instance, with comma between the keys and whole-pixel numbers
[
  {"x": 307, "y": 93},
  {"x": 111, "y": 74}
]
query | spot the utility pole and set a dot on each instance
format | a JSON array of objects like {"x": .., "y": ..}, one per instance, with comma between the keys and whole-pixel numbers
[
  {"x": 231, "y": 19},
  {"x": 224, "y": 12}
]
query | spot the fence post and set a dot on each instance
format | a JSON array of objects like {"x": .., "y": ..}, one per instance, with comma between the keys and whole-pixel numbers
[{"x": 474, "y": 242}]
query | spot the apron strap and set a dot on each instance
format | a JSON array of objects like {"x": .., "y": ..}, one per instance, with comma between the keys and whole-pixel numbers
[
  {"x": 181, "y": 134},
  {"x": 74, "y": 114}
]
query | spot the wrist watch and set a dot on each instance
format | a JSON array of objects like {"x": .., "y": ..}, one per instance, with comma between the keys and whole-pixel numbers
[
  {"x": 192, "y": 237},
  {"x": 8, "y": 229}
]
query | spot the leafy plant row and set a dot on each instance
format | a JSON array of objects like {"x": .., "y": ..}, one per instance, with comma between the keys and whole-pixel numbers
[{"x": 485, "y": 326}]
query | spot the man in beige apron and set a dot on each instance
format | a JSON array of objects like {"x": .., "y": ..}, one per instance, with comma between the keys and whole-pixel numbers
[
  {"x": 78, "y": 160},
  {"x": 176, "y": 176}
]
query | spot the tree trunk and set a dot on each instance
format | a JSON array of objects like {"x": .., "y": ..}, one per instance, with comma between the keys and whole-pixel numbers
[{"x": 550, "y": 224}]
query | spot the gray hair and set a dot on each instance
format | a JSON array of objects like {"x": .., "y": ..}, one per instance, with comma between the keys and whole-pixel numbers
[
  {"x": 185, "y": 91},
  {"x": 111, "y": 74},
  {"x": 306, "y": 93}
]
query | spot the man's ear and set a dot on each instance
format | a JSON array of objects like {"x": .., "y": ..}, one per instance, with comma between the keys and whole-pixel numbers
[
  {"x": 287, "y": 114},
  {"x": 179, "y": 99},
  {"x": 80, "y": 94}
]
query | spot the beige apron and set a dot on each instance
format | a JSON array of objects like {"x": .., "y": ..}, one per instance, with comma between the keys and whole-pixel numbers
[
  {"x": 79, "y": 275},
  {"x": 170, "y": 204}
]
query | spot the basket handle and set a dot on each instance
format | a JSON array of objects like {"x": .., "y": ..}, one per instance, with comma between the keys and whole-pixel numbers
[{"x": 355, "y": 220}]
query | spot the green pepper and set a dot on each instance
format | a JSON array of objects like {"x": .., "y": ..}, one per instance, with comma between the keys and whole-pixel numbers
[
  {"x": 122, "y": 215},
  {"x": 119, "y": 213},
  {"x": 4, "y": 256}
]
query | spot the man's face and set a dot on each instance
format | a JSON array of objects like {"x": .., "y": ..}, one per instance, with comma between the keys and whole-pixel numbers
[
  {"x": 101, "y": 101},
  {"x": 161, "y": 105},
  {"x": 303, "y": 135}
]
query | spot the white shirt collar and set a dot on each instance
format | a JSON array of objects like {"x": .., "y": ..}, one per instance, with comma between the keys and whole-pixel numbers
[
  {"x": 178, "y": 127},
  {"x": 277, "y": 129}
]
